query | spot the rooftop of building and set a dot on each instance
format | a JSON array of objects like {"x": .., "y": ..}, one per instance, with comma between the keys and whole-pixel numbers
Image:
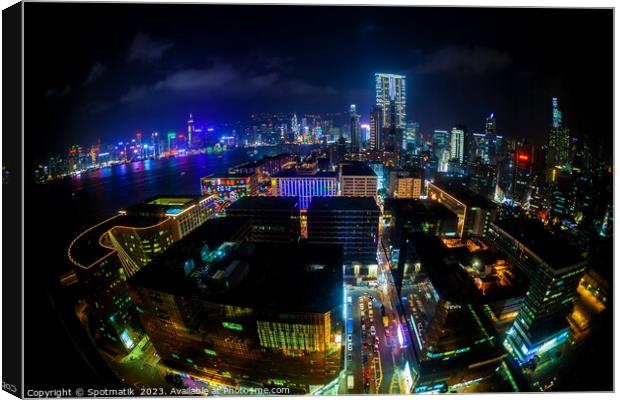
[
  {"x": 464, "y": 195},
  {"x": 296, "y": 173},
  {"x": 86, "y": 249},
  {"x": 553, "y": 249},
  {"x": 259, "y": 162},
  {"x": 406, "y": 172},
  {"x": 162, "y": 205},
  {"x": 452, "y": 282},
  {"x": 417, "y": 209},
  {"x": 281, "y": 203},
  {"x": 343, "y": 203},
  {"x": 227, "y": 176},
  {"x": 460, "y": 343},
  {"x": 353, "y": 168},
  {"x": 282, "y": 277}
]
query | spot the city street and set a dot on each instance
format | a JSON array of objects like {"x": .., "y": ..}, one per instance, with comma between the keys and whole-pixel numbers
[{"x": 378, "y": 351}]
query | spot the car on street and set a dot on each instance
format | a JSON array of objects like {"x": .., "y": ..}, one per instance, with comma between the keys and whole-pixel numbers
[
  {"x": 350, "y": 338},
  {"x": 350, "y": 347},
  {"x": 349, "y": 357},
  {"x": 372, "y": 330}
]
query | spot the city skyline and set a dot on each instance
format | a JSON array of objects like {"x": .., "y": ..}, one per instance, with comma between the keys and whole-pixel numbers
[
  {"x": 150, "y": 78},
  {"x": 311, "y": 200}
]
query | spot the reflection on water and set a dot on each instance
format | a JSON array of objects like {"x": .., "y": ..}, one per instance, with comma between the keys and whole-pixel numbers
[{"x": 93, "y": 195}]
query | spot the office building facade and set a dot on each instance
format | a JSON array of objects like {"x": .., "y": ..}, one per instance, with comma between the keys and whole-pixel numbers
[
  {"x": 352, "y": 222},
  {"x": 357, "y": 179},
  {"x": 273, "y": 219},
  {"x": 305, "y": 187}
]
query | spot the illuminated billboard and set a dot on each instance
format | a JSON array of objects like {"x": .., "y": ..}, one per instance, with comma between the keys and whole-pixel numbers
[{"x": 226, "y": 189}]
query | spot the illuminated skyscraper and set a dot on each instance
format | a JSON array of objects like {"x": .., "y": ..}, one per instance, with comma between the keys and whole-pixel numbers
[
  {"x": 294, "y": 126},
  {"x": 457, "y": 144},
  {"x": 490, "y": 127},
  {"x": 355, "y": 130},
  {"x": 522, "y": 175},
  {"x": 558, "y": 144},
  {"x": 479, "y": 148},
  {"x": 441, "y": 148},
  {"x": 391, "y": 98},
  {"x": 411, "y": 136},
  {"x": 376, "y": 128},
  {"x": 190, "y": 131},
  {"x": 391, "y": 93},
  {"x": 365, "y": 134},
  {"x": 557, "y": 114}
]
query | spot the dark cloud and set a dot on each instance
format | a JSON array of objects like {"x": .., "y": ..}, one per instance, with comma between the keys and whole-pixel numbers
[
  {"x": 147, "y": 49},
  {"x": 457, "y": 60},
  {"x": 58, "y": 93},
  {"x": 96, "y": 107},
  {"x": 135, "y": 93},
  {"x": 96, "y": 71},
  {"x": 300, "y": 88},
  {"x": 223, "y": 79}
]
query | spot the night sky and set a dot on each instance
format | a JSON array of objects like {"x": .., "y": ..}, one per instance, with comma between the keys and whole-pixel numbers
[{"x": 107, "y": 70}]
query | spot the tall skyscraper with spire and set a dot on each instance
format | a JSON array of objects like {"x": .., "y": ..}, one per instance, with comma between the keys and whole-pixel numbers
[
  {"x": 493, "y": 140},
  {"x": 490, "y": 127}
]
